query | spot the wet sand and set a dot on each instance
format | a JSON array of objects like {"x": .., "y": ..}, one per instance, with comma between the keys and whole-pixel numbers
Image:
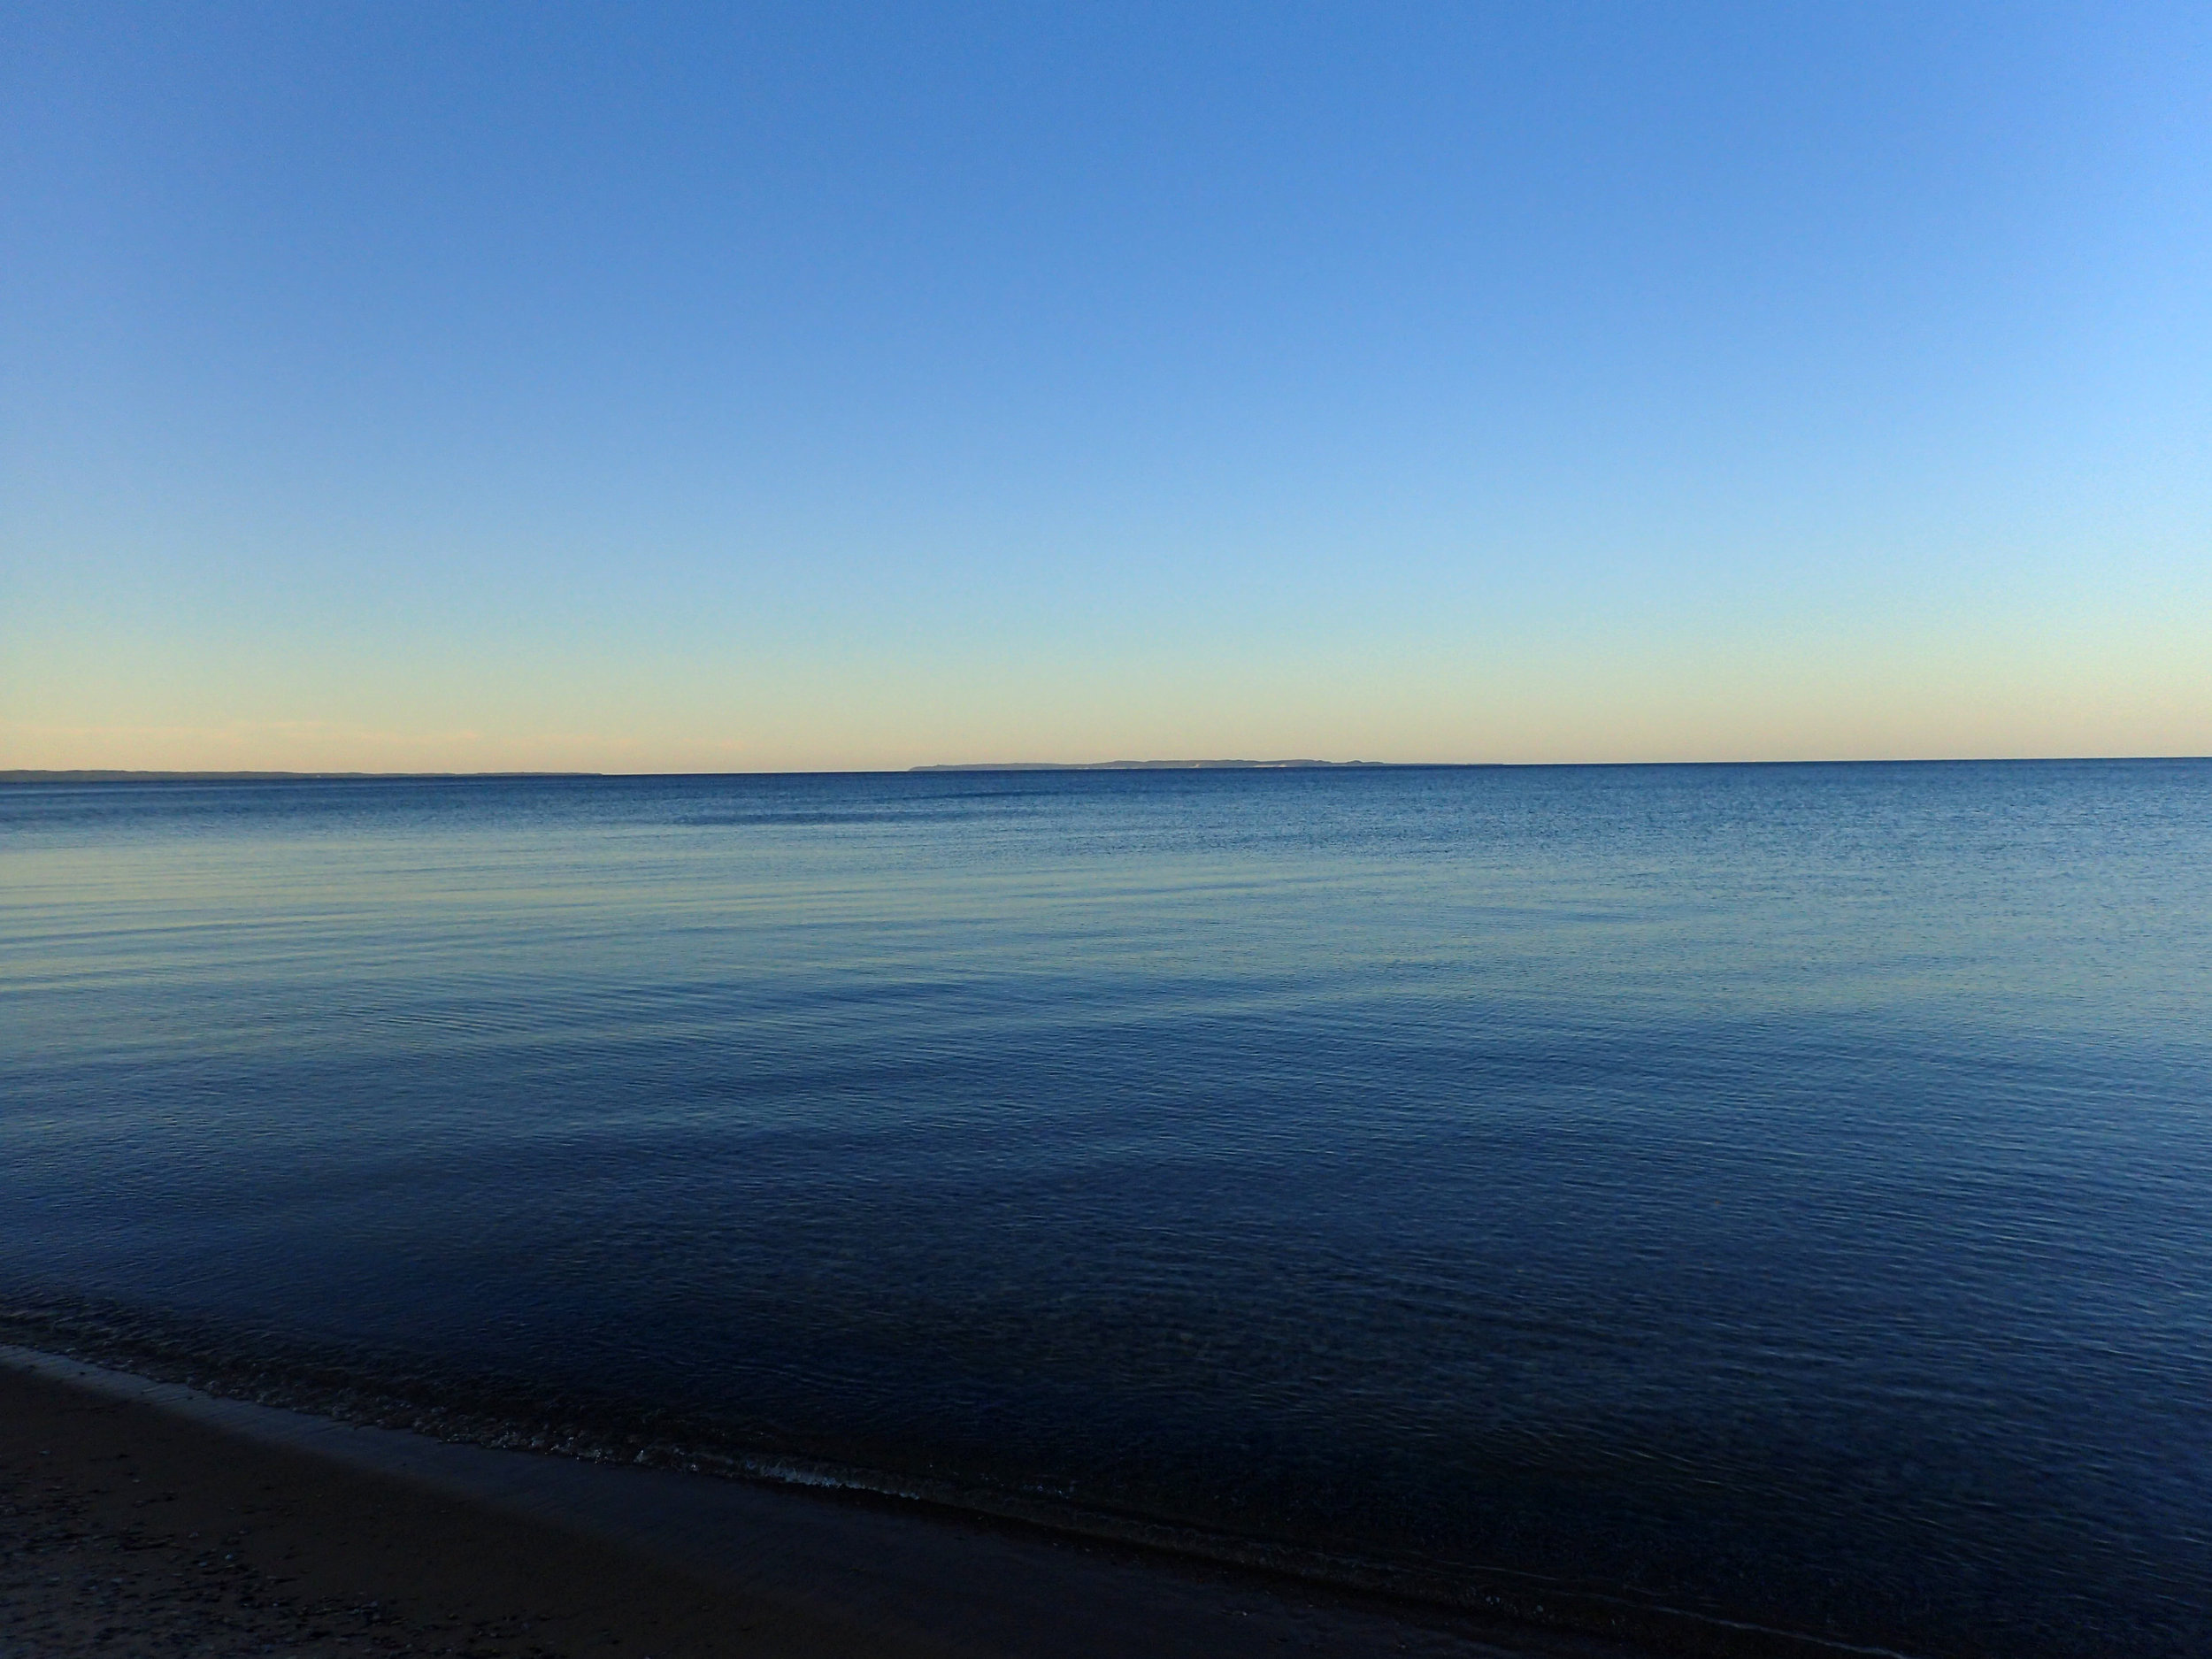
[{"x": 140, "y": 1518}]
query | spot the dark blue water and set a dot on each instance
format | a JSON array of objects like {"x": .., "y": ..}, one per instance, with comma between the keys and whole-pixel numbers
[{"x": 1780, "y": 1194}]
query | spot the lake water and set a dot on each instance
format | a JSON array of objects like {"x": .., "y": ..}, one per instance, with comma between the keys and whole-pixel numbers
[{"x": 1780, "y": 1195}]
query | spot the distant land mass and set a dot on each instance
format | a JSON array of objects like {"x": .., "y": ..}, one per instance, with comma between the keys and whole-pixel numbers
[{"x": 1142, "y": 765}]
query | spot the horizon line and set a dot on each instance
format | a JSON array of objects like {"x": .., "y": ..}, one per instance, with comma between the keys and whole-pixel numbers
[{"x": 122, "y": 774}]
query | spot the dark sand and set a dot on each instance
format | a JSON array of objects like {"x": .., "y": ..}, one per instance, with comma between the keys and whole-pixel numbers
[{"x": 141, "y": 1517}]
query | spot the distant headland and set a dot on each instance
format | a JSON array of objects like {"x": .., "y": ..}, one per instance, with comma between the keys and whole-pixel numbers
[{"x": 1143, "y": 766}]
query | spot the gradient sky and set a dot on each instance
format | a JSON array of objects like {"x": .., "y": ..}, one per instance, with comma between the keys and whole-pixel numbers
[{"x": 736, "y": 388}]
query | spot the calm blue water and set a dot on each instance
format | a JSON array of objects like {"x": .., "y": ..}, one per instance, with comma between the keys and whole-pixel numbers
[{"x": 1779, "y": 1192}]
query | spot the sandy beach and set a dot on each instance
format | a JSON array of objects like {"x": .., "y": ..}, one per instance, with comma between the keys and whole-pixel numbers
[
  {"x": 140, "y": 1518},
  {"x": 130, "y": 1528}
]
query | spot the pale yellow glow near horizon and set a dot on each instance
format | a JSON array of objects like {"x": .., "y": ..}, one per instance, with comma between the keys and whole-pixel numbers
[
  {"x": 2110, "y": 684},
  {"x": 2141, "y": 715}
]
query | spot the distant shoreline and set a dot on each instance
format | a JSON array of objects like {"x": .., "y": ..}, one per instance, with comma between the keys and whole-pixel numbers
[{"x": 1163, "y": 765}]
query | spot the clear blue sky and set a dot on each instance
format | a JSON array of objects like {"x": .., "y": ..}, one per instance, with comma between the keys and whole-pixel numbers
[{"x": 729, "y": 387}]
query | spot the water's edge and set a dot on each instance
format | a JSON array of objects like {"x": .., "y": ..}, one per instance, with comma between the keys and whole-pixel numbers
[{"x": 81, "y": 1346}]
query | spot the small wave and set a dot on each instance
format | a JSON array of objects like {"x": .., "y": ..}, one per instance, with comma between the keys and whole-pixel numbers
[{"x": 814, "y": 819}]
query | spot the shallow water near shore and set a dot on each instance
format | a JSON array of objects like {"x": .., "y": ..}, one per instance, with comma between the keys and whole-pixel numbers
[{"x": 1776, "y": 1193}]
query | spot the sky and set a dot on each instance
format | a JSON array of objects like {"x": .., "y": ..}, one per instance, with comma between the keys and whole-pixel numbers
[{"x": 635, "y": 388}]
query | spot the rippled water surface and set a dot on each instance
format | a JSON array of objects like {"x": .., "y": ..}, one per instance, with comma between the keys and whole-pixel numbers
[{"x": 1781, "y": 1194}]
